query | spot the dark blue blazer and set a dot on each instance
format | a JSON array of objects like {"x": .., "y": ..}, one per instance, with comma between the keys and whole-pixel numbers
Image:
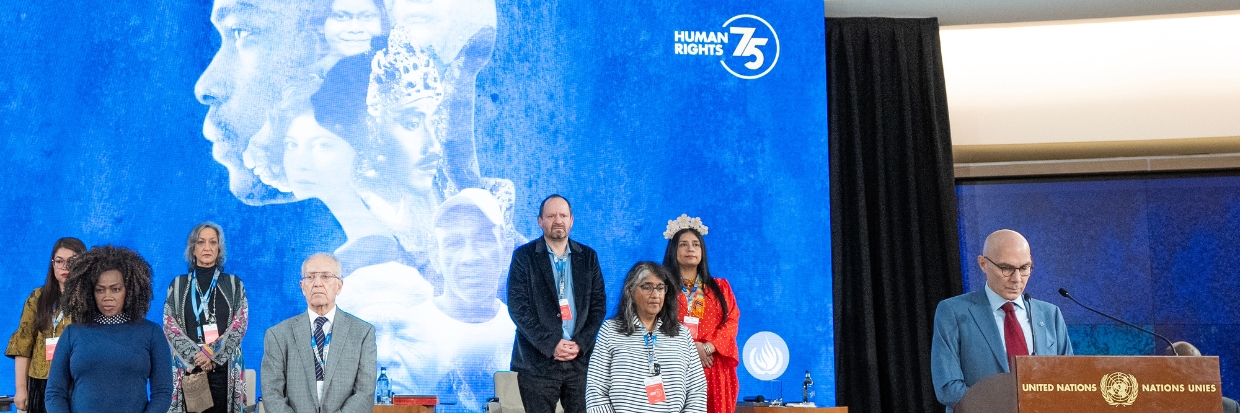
[
  {"x": 533, "y": 303},
  {"x": 967, "y": 346}
]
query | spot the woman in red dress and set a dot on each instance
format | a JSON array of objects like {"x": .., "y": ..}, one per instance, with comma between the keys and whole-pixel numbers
[{"x": 707, "y": 308}]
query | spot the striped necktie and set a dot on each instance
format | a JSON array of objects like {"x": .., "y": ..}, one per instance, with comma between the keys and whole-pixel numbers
[{"x": 320, "y": 340}]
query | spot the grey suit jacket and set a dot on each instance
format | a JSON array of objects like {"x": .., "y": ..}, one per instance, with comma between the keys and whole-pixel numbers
[
  {"x": 967, "y": 346},
  {"x": 288, "y": 367}
]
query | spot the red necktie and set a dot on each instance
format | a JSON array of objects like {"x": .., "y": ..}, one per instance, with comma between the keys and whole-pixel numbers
[{"x": 1013, "y": 335}]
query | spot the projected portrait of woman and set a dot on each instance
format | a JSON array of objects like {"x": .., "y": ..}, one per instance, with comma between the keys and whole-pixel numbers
[
  {"x": 351, "y": 26},
  {"x": 376, "y": 122}
]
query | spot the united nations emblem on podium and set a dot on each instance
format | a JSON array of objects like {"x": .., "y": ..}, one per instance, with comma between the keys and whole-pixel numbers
[{"x": 1119, "y": 389}]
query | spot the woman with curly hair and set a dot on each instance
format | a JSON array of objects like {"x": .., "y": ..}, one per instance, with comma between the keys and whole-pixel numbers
[
  {"x": 108, "y": 356},
  {"x": 205, "y": 317},
  {"x": 708, "y": 309},
  {"x": 42, "y": 322}
]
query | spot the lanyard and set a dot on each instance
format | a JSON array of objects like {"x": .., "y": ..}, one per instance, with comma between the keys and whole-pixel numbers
[
  {"x": 695, "y": 299},
  {"x": 650, "y": 340},
  {"x": 320, "y": 359},
  {"x": 561, "y": 267},
  {"x": 60, "y": 315},
  {"x": 201, "y": 303}
]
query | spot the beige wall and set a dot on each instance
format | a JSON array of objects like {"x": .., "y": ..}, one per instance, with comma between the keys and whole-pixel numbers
[{"x": 1094, "y": 81}]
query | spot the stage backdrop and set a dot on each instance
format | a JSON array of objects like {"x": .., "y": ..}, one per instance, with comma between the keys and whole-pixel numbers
[
  {"x": 1157, "y": 252},
  {"x": 415, "y": 140}
]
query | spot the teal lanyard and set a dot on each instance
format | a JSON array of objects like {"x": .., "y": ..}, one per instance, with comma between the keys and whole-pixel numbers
[
  {"x": 561, "y": 267},
  {"x": 314, "y": 348},
  {"x": 200, "y": 301},
  {"x": 651, "y": 340},
  {"x": 60, "y": 315}
]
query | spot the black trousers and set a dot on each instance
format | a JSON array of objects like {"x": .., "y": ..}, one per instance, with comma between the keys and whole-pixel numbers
[
  {"x": 218, "y": 381},
  {"x": 35, "y": 389},
  {"x": 539, "y": 393}
]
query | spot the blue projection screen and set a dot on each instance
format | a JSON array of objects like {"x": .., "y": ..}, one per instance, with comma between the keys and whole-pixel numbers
[
  {"x": 415, "y": 140},
  {"x": 1155, "y": 251}
]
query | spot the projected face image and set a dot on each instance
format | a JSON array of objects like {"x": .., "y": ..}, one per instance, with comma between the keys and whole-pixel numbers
[
  {"x": 317, "y": 162},
  {"x": 262, "y": 48},
  {"x": 313, "y": 110},
  {"x": 351, "y": 26},
  {"x": 471, "y": 255},
  {"x": 409, "y": 127},
  {"x": 443, "y": 25}
]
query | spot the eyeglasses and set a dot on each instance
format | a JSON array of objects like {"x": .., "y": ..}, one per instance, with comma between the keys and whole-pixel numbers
[
  {"x": 1008, "y": 270},
  {"x": 60, "y": 263},
  {"x": 321, "y": 276},
  {"x": 651, "y": 287}
]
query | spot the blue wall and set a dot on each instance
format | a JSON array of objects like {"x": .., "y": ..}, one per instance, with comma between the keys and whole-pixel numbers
[{"x": 1154, "y": 251}]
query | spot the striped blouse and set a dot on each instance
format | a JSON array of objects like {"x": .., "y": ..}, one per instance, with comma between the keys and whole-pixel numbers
[{"x": 620, "y": 364}]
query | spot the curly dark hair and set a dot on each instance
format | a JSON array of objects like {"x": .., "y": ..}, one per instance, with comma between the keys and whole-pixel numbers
[{"x": 84, "y": 272}]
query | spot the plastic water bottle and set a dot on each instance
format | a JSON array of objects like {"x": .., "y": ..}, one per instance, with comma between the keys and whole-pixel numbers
[
  {"x": 383, "y": 388},
  {"x": 807, "y": 388}
]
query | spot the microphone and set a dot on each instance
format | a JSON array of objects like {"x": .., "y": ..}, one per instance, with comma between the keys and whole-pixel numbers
[
  {"x": 1029, "y": 314},
  {"x": 1064, "y": 293}
]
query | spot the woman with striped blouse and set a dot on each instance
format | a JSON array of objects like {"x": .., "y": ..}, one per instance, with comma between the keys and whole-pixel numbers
[{"x": 644, "y": 360}]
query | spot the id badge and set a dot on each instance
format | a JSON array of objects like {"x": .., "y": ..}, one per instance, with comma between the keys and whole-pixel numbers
[
  {"x": 49, "y": 345},
  {"x": 210, "y": 333},
  {"x": 565, "y": 313},
  {"x": 654, "y": 390},
  {"x": 691, "y": 323}
]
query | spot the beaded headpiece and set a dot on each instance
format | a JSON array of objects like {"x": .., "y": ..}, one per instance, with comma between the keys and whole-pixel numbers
[
  {"x": 683, "y": 222},
  {"x": 401, "y": 74}
]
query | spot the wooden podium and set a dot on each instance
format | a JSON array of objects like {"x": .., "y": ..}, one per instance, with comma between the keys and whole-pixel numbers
[{"x": 1129, "y": 384}]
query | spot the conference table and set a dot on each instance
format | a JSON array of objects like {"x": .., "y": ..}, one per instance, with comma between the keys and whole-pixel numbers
[
  {"x": 785, "y": 409},
  {"x": 739, "y": 409},
  {"x": 410, "y": 408}
]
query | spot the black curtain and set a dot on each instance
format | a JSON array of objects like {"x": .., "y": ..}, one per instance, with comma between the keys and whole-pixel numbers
[{"x": 893, "y": 208}]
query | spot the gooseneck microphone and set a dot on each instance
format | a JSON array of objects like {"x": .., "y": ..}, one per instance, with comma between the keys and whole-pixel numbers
[
  {"x": 1064, "y": 293},
  {"x": 1029, "y": 315}
]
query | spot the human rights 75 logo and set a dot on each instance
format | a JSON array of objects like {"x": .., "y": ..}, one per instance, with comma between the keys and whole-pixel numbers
[
  {"x": 757, "y": 50},
  {"x": 747, "y": 46}
]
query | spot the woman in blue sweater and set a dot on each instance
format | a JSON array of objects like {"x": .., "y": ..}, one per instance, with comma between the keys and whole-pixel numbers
[{"x": 106, "y": 358}]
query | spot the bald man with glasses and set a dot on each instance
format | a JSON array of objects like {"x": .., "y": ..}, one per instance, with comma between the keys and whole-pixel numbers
[{"x": 976, "y": 334}]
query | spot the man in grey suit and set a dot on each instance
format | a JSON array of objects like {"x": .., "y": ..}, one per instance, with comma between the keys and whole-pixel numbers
[
  {"x": 323, "y": 360},
  {"x": 976, "y": 334}
]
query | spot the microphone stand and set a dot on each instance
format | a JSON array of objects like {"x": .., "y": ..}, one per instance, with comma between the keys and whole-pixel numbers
[{"x": 1064, "y": 293}]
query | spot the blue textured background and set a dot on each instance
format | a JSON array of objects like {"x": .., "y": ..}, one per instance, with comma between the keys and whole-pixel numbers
[
  {"x": 1157, "y": 252},
  {"x": 102, "y": 140}
]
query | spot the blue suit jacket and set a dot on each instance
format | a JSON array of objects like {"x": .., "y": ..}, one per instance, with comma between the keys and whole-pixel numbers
[{"x": 967, "y": 346}]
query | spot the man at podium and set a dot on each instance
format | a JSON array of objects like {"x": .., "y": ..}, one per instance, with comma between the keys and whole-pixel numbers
[{"x": 976, "y": 334}]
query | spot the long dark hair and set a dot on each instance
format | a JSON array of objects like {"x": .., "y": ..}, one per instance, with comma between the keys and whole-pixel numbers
[
  {"x": 626, "y": 309},
  {"x": 703, "y": 269},
  {"x": 84, "y": 274},
  {"x": 49, "y": 297}
]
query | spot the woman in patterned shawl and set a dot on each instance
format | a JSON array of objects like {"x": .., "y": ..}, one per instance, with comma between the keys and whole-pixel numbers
[{"x": 205, "y": 317}]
